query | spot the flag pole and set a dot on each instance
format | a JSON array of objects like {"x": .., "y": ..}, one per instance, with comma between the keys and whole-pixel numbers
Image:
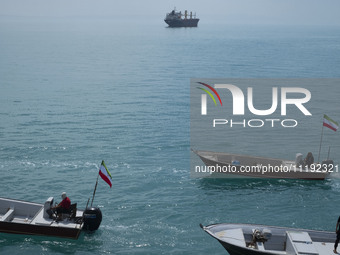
[
  {"x": 94, "y": 191},
  {"x": 87, "y": 202},
  {"x": 320, "y": 142},
  {"x": 329, "y": 150}
]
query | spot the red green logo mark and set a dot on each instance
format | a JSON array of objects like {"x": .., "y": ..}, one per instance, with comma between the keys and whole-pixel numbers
[{"x": 209, "y": 93}]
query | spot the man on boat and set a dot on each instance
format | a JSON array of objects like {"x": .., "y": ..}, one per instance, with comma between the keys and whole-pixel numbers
[
  {"x": 62, "y": 207},
  {"x": 337, "y": 231},
  {"x": 309, "y": 160}
]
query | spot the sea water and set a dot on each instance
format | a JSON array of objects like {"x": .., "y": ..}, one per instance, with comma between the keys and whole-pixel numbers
[{"x": 77, "y": 91}]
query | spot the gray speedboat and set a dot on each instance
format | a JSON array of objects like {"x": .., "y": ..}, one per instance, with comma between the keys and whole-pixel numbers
[
  {"x": 221, "y": 164},
  {"x": 248, "y": 239},
  {"x": 28, "y": 218}
]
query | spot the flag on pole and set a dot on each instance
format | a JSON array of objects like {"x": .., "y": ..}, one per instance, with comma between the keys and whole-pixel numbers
[
  {"x": 328, "y": 122},
  {"x": 105, "y": 174}
]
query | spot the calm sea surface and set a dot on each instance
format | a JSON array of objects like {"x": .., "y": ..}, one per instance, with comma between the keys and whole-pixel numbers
[{"x": 74, "y": 92}]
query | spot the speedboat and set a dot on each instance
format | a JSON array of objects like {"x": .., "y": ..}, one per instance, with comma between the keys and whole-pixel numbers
[
  {"x": 220, "y": 164},
  {"x": 29, "y": 218},
  {"x": 248, "y": 239}
]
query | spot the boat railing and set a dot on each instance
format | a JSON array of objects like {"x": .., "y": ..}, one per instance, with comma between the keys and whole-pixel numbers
[{"x": 179, "y": 15}]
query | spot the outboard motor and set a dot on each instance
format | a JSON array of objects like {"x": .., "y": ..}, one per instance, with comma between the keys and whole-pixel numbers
[
  {"x": 328, "y": 165},
  {"x": 92, "y": 218},
  {"x": 261, "y": 235}
]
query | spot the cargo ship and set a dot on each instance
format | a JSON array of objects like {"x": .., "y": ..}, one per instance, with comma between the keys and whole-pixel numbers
[{"x": 177, "y": 19}]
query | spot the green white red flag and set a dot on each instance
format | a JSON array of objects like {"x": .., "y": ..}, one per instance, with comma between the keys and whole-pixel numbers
[
  {"x": 328, "y": 122},
  {"x": 105, "y": 174}
]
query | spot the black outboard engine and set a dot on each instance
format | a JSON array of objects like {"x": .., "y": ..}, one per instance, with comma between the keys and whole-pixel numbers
[
  {"x": 92, "y": 218},
  {"x": 328, "y": 165},
  {"x": 261, "y": 235}
]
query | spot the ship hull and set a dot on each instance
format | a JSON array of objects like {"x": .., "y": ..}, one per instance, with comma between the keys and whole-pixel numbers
[
  {"x": 182, "y": 22},
  {"x": 28, "y": 229}
]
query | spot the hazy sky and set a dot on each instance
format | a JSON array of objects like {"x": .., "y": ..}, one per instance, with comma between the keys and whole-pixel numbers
[{"x": 308, "y": 12}]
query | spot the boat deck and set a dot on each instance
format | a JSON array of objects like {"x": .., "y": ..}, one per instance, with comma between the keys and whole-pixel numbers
[
  {"x": 31, "y": 213},
  {"x": 67, "y": 223},
  {"x": 324, "y": 248}
]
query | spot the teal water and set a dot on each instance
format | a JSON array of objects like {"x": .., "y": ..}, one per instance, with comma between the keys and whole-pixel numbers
[{"x": 74, "y": 92}]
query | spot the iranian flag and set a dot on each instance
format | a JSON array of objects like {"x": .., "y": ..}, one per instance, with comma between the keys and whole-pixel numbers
[
  {"x": 328, "y": 122},
  {"x": 105, "y": 174}
]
